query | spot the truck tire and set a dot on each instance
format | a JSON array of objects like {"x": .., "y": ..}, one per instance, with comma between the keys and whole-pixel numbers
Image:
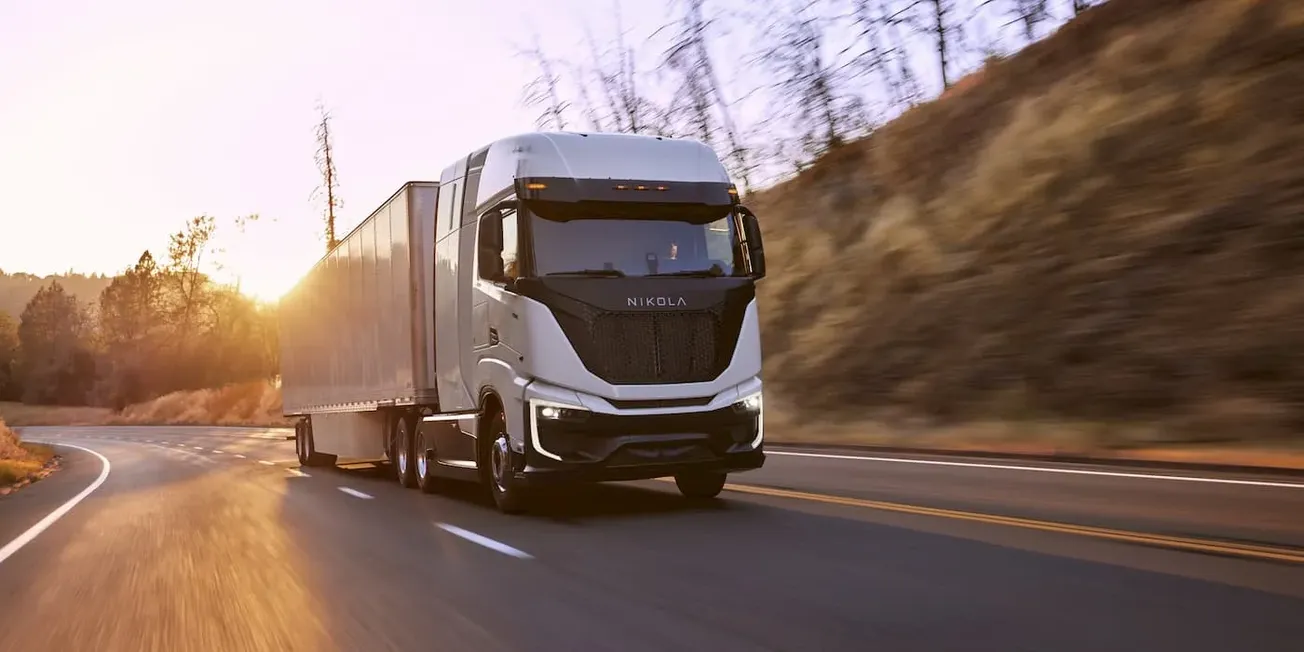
[
  {"x": 498, "y": 472},
  {"x": 403, "y": 447},
  {"x": 301, "y": 442},
  {"x": 427, "y": 481},
  {"x": 702, "y": 485},
  {"x": 305, "y": 450}
]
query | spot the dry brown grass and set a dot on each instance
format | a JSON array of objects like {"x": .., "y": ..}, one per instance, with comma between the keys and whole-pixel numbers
[
  {"x": 9, "y": 447},
  {"x": 18, "y": 460},
  {"x": 1105, "y": 229},
  {"x": 242, "y": 404}
]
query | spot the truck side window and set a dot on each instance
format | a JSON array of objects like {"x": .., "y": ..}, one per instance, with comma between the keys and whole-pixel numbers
[{"x": 510, "y": 266}]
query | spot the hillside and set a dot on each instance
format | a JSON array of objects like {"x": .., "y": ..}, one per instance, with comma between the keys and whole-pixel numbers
[
  {"x": 17, "y": 289},
  {"x": 1106, "y": 228}
]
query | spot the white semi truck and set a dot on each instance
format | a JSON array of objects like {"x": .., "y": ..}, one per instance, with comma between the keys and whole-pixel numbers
[{"x": 558, "y": 307}]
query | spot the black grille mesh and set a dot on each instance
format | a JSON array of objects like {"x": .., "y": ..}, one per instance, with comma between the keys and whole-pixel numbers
[{"x": 633, "y": 348}]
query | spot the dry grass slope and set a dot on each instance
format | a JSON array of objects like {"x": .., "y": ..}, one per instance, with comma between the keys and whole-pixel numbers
[
  {"x": 19, "y": 461},
  {"x": 1106, "y": 228},
  {"x": 242, "y": 404}
]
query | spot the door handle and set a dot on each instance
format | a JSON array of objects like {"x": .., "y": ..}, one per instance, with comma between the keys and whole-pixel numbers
[{"x": 493, "y": 336}]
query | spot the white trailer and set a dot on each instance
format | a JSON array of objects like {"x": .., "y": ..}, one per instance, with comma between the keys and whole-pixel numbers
[{"x": 559, "y": 307}]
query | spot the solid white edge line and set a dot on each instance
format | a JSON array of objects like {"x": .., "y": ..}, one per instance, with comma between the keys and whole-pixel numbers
[
  {"x": 32, "y": 532},
  {"x": 485, "y": 541},
  {"x": 1043, "y": 469},
  {"x": 355, "y": 493}
]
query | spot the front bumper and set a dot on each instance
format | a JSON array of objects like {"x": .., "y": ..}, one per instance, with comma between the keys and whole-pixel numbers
[{"x": 572, "y": 446}]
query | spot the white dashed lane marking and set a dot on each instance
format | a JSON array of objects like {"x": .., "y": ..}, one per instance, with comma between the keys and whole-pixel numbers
[{"x": 497, "y": 546}]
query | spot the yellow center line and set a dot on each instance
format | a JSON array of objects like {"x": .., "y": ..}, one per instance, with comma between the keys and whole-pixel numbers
[{"x": 1183, "y": 543}]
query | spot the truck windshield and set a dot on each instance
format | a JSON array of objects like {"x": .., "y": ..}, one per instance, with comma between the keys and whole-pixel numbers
[{"x": 616, "y": 247}]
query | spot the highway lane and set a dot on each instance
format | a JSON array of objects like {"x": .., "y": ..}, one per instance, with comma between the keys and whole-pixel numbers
[
  {"x": 184, "y": 547},
  {"x": 1177, "y": 503}
]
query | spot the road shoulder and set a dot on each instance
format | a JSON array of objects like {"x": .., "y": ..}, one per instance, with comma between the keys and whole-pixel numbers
[{"x": 20, "y": 510}]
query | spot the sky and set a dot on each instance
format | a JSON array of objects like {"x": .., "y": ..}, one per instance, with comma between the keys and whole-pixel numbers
[{"x": 119, "y": 121}]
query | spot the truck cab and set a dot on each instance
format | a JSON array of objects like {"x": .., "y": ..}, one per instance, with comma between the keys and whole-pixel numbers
[{"x": 596, "y": 317}]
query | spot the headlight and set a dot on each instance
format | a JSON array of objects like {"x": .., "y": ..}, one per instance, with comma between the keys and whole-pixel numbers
[
  {"x": 554, "y": 411},
  {"x": 749, "y": 404},
  {"x": 543, "y": 410}
]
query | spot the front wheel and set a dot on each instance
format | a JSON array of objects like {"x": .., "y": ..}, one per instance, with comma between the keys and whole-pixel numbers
[
  {"x": 508, "y": 494},
  {"x": 702, "y": 485},
  {"x": 422, "y": 453},
  {"x": 403, "y": 445}
]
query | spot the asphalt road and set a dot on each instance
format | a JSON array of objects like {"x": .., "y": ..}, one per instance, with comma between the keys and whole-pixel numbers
[{"x": 212, "y": 539}]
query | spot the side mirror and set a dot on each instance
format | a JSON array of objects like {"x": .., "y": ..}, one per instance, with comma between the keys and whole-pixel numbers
[
  {"x": 490, "y": 243},
  {"x": 755, "y": 246}
]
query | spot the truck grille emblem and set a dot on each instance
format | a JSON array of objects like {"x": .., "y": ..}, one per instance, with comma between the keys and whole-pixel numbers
[{"x": 655, "y": 302}]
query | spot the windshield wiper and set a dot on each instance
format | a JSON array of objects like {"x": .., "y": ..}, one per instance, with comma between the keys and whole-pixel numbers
[
  {"x": 612, "y": 273},
  {"x": 699, "y": 273}
]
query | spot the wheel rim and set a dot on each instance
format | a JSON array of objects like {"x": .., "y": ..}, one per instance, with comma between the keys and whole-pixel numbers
[
  {"x": 498, "y": 458},
  {"x": 402, "y": 450},
  {"x": 421, "y": 455}
]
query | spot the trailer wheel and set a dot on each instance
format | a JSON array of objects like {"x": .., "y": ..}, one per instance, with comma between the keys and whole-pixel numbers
[
  {"x": 403, "y": 447},
  {"x": 301, "y": 442},
  {"x": 307, "y": 452},
  {"x": 702, "y": 485},
  {"x": 508, "y": 494}
]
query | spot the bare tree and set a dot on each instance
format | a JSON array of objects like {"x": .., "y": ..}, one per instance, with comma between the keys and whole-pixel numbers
[
  {"x": 700, "y": 94},
  {"x": 588, "y": 107},
  {"x": 545, "y": 89},
  {"x": 325, "y": 158},
  {"x": 617, "y": 76},
  {"x": 809, "y": 81},
  {"x": 1028, "y": 13},
  {"x": 187, "y": 282},
  {"x": 886, "y": 55},
  {"x": 937, "y": 26}
]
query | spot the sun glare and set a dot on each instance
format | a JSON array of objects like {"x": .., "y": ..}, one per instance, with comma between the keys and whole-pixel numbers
[
  {"x": 268, "y": 259},
  {"x": 265, "y": 289}
]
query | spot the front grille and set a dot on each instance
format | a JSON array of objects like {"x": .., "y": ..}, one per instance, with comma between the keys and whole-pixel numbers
[{"x": 632, "y": 348}]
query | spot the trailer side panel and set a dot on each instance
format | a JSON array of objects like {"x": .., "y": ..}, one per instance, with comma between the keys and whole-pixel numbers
[{"x": 354, "y": 331}]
